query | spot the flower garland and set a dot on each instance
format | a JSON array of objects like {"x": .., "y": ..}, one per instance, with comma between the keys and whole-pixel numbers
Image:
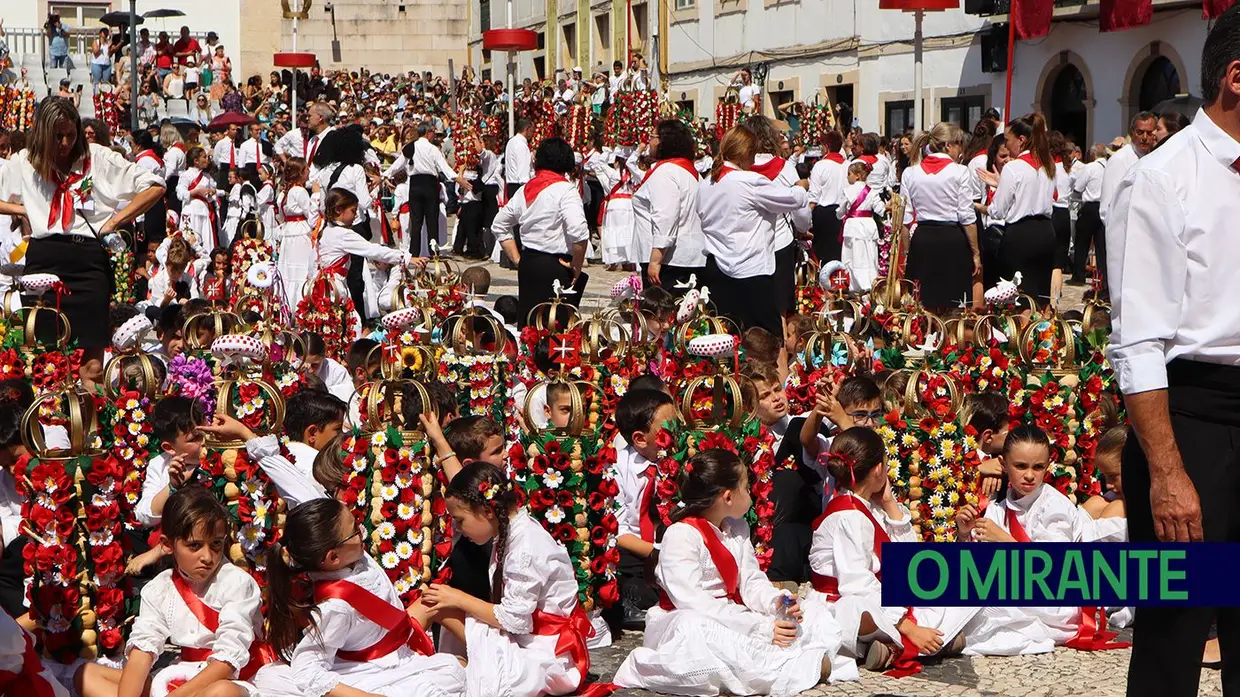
[
  {"x": 570, "y": 488},
  {"x": 484, "y": 386},
  {"x": 932, "y": 465},
  {"x": 122, "y": 273},
  {"x": 250, "y": 497},
  {"x": 633, "y": 116},
  {"x": 16, "y": 108},
  {"x": 577, "y": 128},
  {"x": 727, "y": 116},
  {"x": 102, "y": 496},
  {"x": 132, "y": 448},
  {"x": 51, "y": 501},
  {"x": 331, "y": 317}
]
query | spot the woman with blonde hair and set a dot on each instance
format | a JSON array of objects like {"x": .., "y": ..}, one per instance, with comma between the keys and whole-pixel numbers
[
  {"x": 738, "y": 208},
  {"x": 73, "y": 195},
  {"x": 943, "y": 256}
]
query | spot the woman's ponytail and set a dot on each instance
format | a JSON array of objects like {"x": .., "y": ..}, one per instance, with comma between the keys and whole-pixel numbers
[{"x": 1040, "y": 144}]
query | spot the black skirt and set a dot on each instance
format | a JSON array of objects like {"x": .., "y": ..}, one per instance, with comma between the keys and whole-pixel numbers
[
  {"x": 1028, "y": 246},
  {"x": 82, "y": 265},
  {"x": 827, "y": 243},
  {"x": 786, "y": 279},
  {"x": 940, "y": 261},
  {"x": 750, "y": 302},
  {"x": 1061, "y": 219}
]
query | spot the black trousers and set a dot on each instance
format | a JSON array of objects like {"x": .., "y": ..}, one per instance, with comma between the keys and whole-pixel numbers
[
  {"x": 423, "y": 207},
  {"x": 669, "y": 276},
  {"x": 1089, "y": 230},
  {"x": 490, "y": 206},
  {"x": 792, "y": 530},
  {"x": 1204, "y": 401},
  {"x": 469, "y": 563},
  {"x": 826, "y": 243},
  {"x": 750, "y": 302},
  {"x": 535, "y": 276},
  {"x": 1061, "y": 220},
  {"x": 353, "y": 280},
  {"x": 84, "y": 267},
  {"x": 468, "y": 240}
]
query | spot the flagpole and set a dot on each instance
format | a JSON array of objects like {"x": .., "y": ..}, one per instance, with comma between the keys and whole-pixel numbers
[{"x": 1011, "y": 56}]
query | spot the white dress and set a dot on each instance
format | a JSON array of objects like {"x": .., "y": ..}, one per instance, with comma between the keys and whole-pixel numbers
[
  {"x": 315, "y": 668},
  {"x": 710, "y": 644},
  {"x": 197, "y": 213},
  {"x": 843, "y": 548},
  {"x": 295, "y": 255},
  {"x": 164, "y": 617},
  {"x": 15, "y": 644},
  {"x": 266, "y": 203},
  {"x": 336, "y": 244},
  {"x": 233, "y": 219},
  {"x": 514, "y": 661},
  {"x": 617, "y": 212},
  {"x": 860, "y": 249},
  {"x": 1046, "y": 516}
]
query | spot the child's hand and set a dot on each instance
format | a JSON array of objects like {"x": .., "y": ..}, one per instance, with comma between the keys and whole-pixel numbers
[
  {"x": 990, "y": 485},
  {"x": 927, "y": 640},
  {"x": 991, "y": 468},
  {"x": 441, "y": 597},
  {"x": 785, "y": 633},
  {"x": 226, "y": 427},
  {"x": 987, "y": 530},
  {"x": 794, "y": 610},
  {"x": 430, "y": 425},
  {"x": 180, "y": 471},
  {"x": 141, "y": 561},
  {"x": 965, "y": 518}
]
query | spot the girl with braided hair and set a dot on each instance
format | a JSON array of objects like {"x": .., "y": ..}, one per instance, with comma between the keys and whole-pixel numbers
[
  {"x": 846, "y": 564},
  {"x": 531, "y": 638},
  {"x": 721, "y": 626}
]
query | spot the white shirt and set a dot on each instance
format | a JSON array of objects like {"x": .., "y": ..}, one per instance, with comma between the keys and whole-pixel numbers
[
  {"x": 665, "y": 216},
  {"x": 631, "y": 480},
  {"x": 225, "y": 153},
  {"x": 1023, "y": 192},
  {"x": 489, "y": 164},
  {"x": 826, "y": 180},
  {"x": 1117, "y": 167},
  {"x": 945, "y": 196},
  {"x": 332, "y": 374},
  {"x": 290, "y": 144},
  {"x": 156, "y": 480},
  {"x": 1170, "y": 249},
  {"x": 115, "y": 181},
  {"x": 738, "y": 220},
  {"x": 749, "y": 95},
  {"x": 1087, "y": 180},
  {"x": 174, "y": 161},
  {"x": 429, "y": 160},
  {"x": 552, "y": 224},
  {"x": 251, "y": 152},
  {"x": 518, "y": 163},
  {"x": 977, "y": 187},
  {"x": 352, "y": 179},
  {"x": 294, "y": 480},
  {"x": 1049, "y": 516},
  {"x": 339, "y": 242},
  {"x": 161, "y": 282},
  {"x": 152, "y": 163},
  {"x": 799, "y": 219},
  {"x": 1063, "y": 187},
  {"x": 843, "y": 547}
]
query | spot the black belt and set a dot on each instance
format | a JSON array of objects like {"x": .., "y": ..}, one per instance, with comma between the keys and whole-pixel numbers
[
  {"x": 539, "y": 252},
  {"x": 68, "y": 239}
]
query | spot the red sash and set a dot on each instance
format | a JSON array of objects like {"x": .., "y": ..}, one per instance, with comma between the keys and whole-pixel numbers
[
  {"x": 1092, "y": 635},
  {"x": 28, "y": 681},
  {"x": 61, "y": 208},
  {"x": 723, "y": 560},
  {"x": 834, "y": 157},
  {"x": 542, "y": 179},
  {"x": 934, "y": 165},
  {"x": 870, "y": 160},
  {"x": 151, "y": 154},
  {"x": 402, "y": 630},
  {"x": 853, "y": 210},
  {"x": 261, "y": 652},
  {"x": 404, "y": 208},
  {"x": 572, "y": 632},
  {"x": 210, "y": 204},
  {"x": 680, "y": 162},
  {"x": 906, "y": 663},
  {"x": 624, "y": 178},
  {"x": 294, "y": 218},
  {"x": 771, "y": 169}
]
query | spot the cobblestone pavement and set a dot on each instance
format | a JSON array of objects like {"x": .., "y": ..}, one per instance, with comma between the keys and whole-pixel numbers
[{"x": 1063, "y": 673}]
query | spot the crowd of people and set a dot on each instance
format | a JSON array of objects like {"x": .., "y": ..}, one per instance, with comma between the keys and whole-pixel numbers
[{"x": 197, "y": 240}]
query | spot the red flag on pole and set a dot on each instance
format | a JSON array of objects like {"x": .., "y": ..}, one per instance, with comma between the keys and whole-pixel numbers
[
  {"x": 1032, "y": 18},
  {"x": 1117, "y": 15},
  {"x": 1213, "y": 8}
]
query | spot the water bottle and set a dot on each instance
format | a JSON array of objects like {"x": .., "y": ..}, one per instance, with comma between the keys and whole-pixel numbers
[
  {"x": 786, "y": 601},
  {"x": 114, "y": 242}
]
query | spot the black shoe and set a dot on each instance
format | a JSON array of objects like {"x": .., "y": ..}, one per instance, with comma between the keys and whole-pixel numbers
[
  {"x": 1075, "y": 281},
  {"x": 634, "y": 616}
]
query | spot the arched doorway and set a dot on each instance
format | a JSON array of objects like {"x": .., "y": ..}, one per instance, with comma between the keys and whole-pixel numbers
[
  {"x": 1067, "y": 112},
  {"x": 1161, "y": 81}
]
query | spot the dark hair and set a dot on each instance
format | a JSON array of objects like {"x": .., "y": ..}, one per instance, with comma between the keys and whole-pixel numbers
[
  {"x": 854, "y": 454},
  {"x": 675, "y": 140},
  {"x": 858, "y": 389},
  {"x": 477, "y": 278},
  {"x": 1033, "y": 127},
  {"x": 892, "y": 385},
  {"x": 1025, "y": 433},
  {"x": 1173, "y": 122},
  {"x": 1139, "y": 117},
  {"x": 468, "y": 487},
  {"x": 555, "y": 155},
  {"x": 337, "y": 201},
  {"x": 173, "y": 416},
  {"x": 869, "y": 143},
  {"x": 1221, "y": 47},
  {"x": 309, "y": 534},
  {"x": 359, "y": 352},
  {"x": 1112, "y": 441},
  {"x": 832, "y": 141},
  {"x": 168, "y": 320},
  {"x": 636, "y": 410},
  {"x": 468, "y": 435},
  {"x": 760, "y": 345},
  {"x": 16, "y": 396},
  {"x": 522, "y": 124},
  {"x": 992, "y": 153},
  {"x": 658, "y": 302},
  {"x": 984, "y": 411},
  {"x": 328, "y": 468},
  {"x": 509, "y": 307},
  {"x": 187, "y": 508},
  {"x": 315, "y": 346},
  {"x": 704, "y": 478},
  {"x": 979, "y": 141},
  {"x": 444, "y": 399},
  {"x": 343, "y": 146},
  {"x": 647, "y": 381},
  {"x": 556, "y": 390},
  {"x": 311, "y": 408},
  {"x": 764, "y": 131}
]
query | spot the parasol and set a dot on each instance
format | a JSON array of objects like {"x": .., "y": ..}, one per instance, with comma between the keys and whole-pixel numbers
[
  {"x": 229, "y": 118},
  {"x": 119, "y": 19}
]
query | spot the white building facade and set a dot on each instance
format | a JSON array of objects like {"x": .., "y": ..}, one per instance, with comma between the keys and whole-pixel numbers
[{"x": 1086, "y": 82}]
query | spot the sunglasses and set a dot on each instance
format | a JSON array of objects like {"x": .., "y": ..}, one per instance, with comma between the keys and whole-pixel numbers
[{"x": 357, "y": 532}]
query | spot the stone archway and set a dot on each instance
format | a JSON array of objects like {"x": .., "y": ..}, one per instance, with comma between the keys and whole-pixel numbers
[
  {"x": 1066, "y": 97},
  {"x": 1157, "y": 72}
]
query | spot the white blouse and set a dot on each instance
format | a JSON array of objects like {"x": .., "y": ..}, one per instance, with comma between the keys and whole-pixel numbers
[
  {"x": 665, "y": 216},
  {"x": 294, "y": 480},
  {"x": 552, "y": 224},
  {"x": 800, "y": 219},
  {"x": 843, "y": 546},
  {"x": 353, "y": 180},
  {"x": 192, "y": 205},
  {"x": 339, "y": 242},
  {"x": 164, "y": 617},
  {"x": 297, "y": 203},
  {"x": 738, "y": 220},
  {"x": 1049, "y": 516},
  {"x": 631, "y": 480},
  {"x": 113, "y": 183},
  {"x": 692, "y": 582},
  {"x": 537, "y": 576},
  {"x": 1023, "y": 192},
  {"x": 945, "y": 196}
]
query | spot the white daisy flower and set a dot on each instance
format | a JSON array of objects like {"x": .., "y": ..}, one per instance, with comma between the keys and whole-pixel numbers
[
  {"x": 132, "y": 403},
  {"x": 386, "y": 530},
  {"x": 401, "y": 585},
  {"x": 415, "y": 536},
  {"x": 390, "y": 560},
  {"x": 553, "y": 479},
  {"x": 389, "y": 492},
  {"x": 142, "y": 440},
  {"x": 138, "y": 415},
  {"x": 99, "y": 538},
  {"x": 555, "y": 515},
  {"x": 404, "y": 550},
  {"x": 404, "y": 480},
  {"x": 134, "y": 428},
  {"x": 909, "y": 441},
  {"x": 379, "y": 439},
  {"x": 405, "y": 512},
  {"x": 251, "y": 536}
]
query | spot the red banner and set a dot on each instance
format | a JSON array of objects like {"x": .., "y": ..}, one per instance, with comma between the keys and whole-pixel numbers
[
  {"x": 1211, "y": 9},
  {"x": 1032, "y": 18},
  {"x": 1117, "y": 15}
]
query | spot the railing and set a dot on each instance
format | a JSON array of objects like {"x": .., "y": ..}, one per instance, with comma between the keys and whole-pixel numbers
[{"x": 27, "y": 41}]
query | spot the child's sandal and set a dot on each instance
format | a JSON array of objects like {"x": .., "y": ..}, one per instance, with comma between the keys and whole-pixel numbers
[
  {"x": 954, "y": 648},
  {"x": 879, "y": 656}
]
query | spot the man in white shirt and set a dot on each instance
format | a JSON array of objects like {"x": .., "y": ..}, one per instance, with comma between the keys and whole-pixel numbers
[
  {"x": 1087, "y": 185},
  {"x": 1141, "y": 140},
  {"x": 826, "y": 181},
  {"x": 225, "y": 156},
  {"x": 427, "y": 166},
  {"x": 250, "y": 153},
  {"x": 319, "y": 124},
  {"x": 518, "y": 163},
  {"x": 1175, "y": 347}
]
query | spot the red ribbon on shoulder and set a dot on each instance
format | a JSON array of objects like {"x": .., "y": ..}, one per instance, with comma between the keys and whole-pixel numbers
[
  {"x": 402, "y": 630},
  {"x": 681, "y": 162},
  {"x": 29, "y": 681},
  {"x": 834, "y": 157},
  {"x": 771, "y": 168},
  {"x": 723, "y": 560},
  {"x": 542, "y": 179},
  {"x": 261, "y": 653},
  {"x": 870, "y": 160},
  {"x": 933, "y": 164}
]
